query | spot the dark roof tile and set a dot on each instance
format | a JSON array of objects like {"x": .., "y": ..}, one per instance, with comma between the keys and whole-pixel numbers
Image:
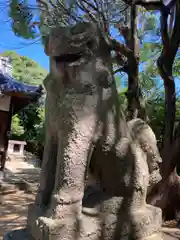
[{"x": 9, "y": 85}]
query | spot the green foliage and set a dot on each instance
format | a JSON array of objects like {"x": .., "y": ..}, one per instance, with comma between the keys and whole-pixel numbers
[
  {"x": 121, "y": 90},
  {"x": 155, "y": 110},
  {"x": 28, "y": 124},
  {"x": 21, "y": 19},
  {"x": 24, "y": 69},
  {"x": 150, "y": 23},
  {"x": 32, "y": 119},
  {"x": 17, "y": 130},
  {"x": 176, "y": 67},
  {"x": 149, "y": 50},
  {"x": 62, "y": 12}
]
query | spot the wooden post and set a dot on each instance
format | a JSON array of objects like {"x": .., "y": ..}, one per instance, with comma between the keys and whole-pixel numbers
[{"x": 6, "y": 137}]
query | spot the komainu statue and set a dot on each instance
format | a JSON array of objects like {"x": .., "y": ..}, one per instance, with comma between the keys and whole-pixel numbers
[{"x": 86, "y": 133}]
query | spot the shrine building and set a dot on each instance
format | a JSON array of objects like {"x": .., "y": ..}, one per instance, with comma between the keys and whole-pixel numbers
[{"x": 14, "y": 96}]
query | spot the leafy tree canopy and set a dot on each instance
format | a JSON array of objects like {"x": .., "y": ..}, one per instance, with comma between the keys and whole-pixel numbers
[{"x": 25, "y": 69}]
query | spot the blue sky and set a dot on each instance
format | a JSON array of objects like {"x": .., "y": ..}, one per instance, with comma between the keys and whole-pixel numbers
[{"x": 9, "y": 41}]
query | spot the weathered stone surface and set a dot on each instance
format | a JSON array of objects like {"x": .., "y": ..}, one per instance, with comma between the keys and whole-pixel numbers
[
  {"x": 83, "y": 121},
  {"x": 85, "y": 130},
  {"x": 23, "y": 235}
]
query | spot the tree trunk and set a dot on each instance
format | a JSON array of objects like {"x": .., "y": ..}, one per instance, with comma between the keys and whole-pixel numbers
[
  {"x": 170, "y": 110},
  {"x": 134, "y": 96},
  {"x": 166, "y": 194}
]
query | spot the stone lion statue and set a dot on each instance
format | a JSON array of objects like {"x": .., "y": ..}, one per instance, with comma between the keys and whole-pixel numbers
[{"x": 85, "y": 129}]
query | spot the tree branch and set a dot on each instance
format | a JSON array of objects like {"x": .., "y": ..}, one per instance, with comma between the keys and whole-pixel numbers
[
  {"x": 66, "y": 10},
  {"x": 165, "y": 65},
  {"x": 84, "y": 9},
  {"x": 98, "y": 10},
  {"x": 43, "y": 5},
  {"x": 125, "y": 32},
  {"x": 164, "y": 30},
  {"x": 121, "y": 48},
  {"x": 147, "y": 4},
  {"x": 121, "y": 69}
]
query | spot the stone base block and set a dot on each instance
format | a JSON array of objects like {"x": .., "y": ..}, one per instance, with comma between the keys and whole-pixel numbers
[
  {"x": 22, "y": 234},
  {"x": 43, "y": 228},
  {"x": 107, "y": 218},
  {"x": 143, "y": 224}
]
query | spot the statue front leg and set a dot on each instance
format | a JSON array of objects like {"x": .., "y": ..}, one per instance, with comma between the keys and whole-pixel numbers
[
  {"x": 74, "y": 145},
  {"x": 63, "y": 216}
]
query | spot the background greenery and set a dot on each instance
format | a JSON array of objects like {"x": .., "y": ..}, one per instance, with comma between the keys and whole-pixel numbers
[{"x": 28, "y": 124}]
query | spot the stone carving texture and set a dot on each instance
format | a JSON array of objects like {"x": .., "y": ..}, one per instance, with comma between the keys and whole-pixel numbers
[{"x": 85, "y": 129}]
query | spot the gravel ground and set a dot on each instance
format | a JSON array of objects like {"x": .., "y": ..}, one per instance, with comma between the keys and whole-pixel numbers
[{"x": 13, "y": 209}]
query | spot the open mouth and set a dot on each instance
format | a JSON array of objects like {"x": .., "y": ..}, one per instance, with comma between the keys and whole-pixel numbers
[{"x": 68, "y": 58}]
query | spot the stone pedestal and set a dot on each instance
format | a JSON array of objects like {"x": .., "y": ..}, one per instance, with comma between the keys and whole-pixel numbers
[
  {"x": 22, "y": 234},
  {"x": 107, "y": 219},
  {"x": 91, "y": 229}
]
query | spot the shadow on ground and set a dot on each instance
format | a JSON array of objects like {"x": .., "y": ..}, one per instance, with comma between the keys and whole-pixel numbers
[
  {"x": 29, "y": 175},
  {"x": 171, "y": 236},
  {"x": 13, "y": 209},
  {"x": 14, "y": 206}
]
